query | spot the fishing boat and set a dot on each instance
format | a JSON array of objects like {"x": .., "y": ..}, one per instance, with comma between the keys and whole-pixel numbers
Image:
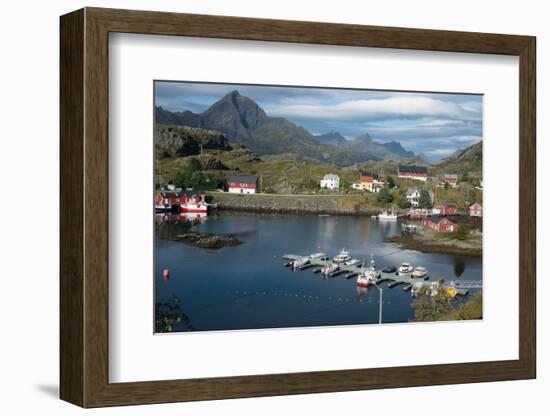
[
  {"x": 342, "y": 257},
  {"x": 386, "y": 216},
  {"x": 405, "y": 268},
  {"x": 369, "y": 276},
  {"x": 419, "y": 273},
  {"x": 195, "y": 203}
]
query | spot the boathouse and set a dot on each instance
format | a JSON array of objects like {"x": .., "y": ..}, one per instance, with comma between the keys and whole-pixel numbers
[
  {"x": 413, "y": 172},
  {"x": 167, "y": 199},
  {"x": 439, "y": 224},
  {"x": 243, "y": 184}
]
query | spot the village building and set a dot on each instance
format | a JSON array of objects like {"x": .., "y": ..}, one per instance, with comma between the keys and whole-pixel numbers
[
  {"x": 449, "y": 179},
  {"x": 243, "y": 184},
  {"x": 330, "y": 181},
  {"x": 446, "y": 209},
  {"x": 413, "y": 196},
  {"x": 439, "y": 224},
  {"x": 413, "y": 172},
  {"x": 167, "y": 200},
  {"x": 369, "y": 182},
  {"x": 475, "y": 210}
]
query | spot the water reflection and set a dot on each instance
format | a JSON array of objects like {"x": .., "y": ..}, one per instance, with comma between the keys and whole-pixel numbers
[
  {"x": 226, "y": 289},
  {"x": 459, "y": 267}
]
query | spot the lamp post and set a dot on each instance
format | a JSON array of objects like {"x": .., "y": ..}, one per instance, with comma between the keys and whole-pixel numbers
[{"x": 380, "y": 301}]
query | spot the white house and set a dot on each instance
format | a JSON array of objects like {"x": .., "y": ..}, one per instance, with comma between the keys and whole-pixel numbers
[
  {"x": 413, "y": 196},
  {"x": 330, "y": 181}
]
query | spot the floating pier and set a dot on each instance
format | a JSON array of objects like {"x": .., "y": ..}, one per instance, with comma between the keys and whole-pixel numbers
[{"x": 460, "y": 288}]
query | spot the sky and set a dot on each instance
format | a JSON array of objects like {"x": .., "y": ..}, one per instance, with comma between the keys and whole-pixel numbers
[{"x": 435, "y": 124}]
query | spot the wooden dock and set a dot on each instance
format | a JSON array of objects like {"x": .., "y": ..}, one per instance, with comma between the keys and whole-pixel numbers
[{"x": 394, "y": 279}]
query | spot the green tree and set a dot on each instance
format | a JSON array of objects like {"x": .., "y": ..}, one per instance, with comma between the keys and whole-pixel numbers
[
  {"x": 425, "y": 201},
  {"x": 391, "y": 182},
  {"x": 404, "y": 203},
  {"x": 181, "y": 180},
  {"x": 462, "y": 233},
  {"x": 384, "y": 196},
  {"x": 194, "y": 165}
]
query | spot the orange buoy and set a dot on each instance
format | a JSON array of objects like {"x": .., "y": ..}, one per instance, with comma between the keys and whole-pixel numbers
[{"x": 166, "y": 274}]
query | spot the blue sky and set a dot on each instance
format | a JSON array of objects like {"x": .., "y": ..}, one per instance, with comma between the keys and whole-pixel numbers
[{"x": 429, "y": 123}]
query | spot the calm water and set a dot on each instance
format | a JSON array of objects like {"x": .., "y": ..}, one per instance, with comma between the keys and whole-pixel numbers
[{"x": 247, "y": 287}]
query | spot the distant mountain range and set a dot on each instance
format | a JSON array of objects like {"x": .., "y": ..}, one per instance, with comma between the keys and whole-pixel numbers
[
  {"x": 467, "y": 160},
  {"x": 241, "y": 120}
]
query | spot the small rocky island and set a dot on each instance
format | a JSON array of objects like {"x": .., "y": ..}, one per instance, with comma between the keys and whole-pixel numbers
[{"x": 207, "y": 240}]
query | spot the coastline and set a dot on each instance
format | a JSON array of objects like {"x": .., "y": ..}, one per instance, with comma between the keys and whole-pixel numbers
[
  {"x": 430, "y": 245},
  {"x": 294, "y": 204}
]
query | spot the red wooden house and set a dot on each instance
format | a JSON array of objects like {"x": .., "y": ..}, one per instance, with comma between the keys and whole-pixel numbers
[
  {"x": 446, "y": 209},
  {"x": 167, "y": 200},
  {"x": 439, "y": 224},
  {"x": 475, "y": 210},
  {"x": 243, "y": 184}
]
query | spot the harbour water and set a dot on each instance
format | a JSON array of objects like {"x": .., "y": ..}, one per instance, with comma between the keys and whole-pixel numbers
[{"x": 247, "y": 287}]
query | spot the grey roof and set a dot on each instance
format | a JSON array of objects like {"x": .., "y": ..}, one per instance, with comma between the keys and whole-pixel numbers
[
  {"x": 244, "y": 179},
  {"x": 413, "y": 169}
]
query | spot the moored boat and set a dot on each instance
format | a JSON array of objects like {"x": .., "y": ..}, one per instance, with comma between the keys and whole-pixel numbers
[
  {"x": 405, "y": 268},
  {"x": 419, "y": 273},
  {"x": 342, "y": 257},
  {"x": 387, "y": 216},
  {"x": 194, "y": 203},
  {"x": 369, "y": 276},
  {"x": 352, "y": 262}
]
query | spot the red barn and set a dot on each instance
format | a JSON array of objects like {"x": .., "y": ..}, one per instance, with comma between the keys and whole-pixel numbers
[
  {"x": 440, "y": 224},
  {"x": 243, "y": 184},
  {"x": 446, "y": 209},
  {"x": 413, "y": 172},
  {"x": 475, "y": 210}
]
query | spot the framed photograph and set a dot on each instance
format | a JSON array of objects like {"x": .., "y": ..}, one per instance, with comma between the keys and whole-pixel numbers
[{"x": 255, "y": 207}]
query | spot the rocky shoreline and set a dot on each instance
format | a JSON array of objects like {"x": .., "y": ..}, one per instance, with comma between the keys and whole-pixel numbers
[
  {"x": 429, "y": 245},
  {"x": 207, "y": 240}
]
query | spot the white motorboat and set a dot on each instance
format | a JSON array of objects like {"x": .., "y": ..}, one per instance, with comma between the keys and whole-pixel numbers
[
  {"x": 352, "y": 262},
  {"x": 318, "y": 255},
  {"x": 342, "y": 257},
  {"x": 386, "y": 216},
  {"x": 299, "y": 262},
  {"x": 405, "y": 268},
  {"x": 419, "y": 273}
]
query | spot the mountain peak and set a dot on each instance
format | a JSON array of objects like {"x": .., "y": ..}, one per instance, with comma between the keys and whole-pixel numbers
[{"x": 332, "y": 137}]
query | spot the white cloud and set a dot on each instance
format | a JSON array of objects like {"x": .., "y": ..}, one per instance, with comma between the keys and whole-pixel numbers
[{"x": 393, "y": 107}]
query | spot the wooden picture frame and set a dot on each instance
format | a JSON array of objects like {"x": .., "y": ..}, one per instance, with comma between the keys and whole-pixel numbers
[{"x": 84, "y": 207}]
